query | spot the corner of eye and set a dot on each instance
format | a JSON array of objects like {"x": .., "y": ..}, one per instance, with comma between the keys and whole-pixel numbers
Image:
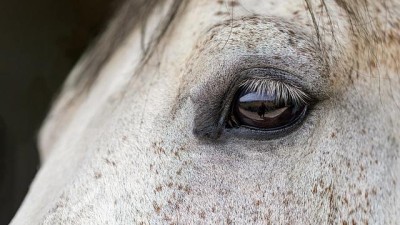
[{"x": 206, "y": 133}]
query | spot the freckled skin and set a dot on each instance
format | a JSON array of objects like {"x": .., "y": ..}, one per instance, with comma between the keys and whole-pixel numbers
[{"x": 137, "y": 161}]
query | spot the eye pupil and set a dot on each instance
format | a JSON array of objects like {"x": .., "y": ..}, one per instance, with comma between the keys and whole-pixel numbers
[{"x": 264, "y": 110}]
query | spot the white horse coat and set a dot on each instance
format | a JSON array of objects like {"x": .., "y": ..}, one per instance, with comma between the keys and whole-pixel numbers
[{"x": 148, "y": 142}]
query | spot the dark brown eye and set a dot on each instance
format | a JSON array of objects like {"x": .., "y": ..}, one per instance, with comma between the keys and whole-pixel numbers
[{"x": 266, "y": 109}]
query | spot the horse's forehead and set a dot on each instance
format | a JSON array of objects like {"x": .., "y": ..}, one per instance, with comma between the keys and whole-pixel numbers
[{"x": 128, "y": 154}]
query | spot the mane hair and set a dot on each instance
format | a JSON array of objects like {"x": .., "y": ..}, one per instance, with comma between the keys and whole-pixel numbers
[{"x": 130, "y": 15}]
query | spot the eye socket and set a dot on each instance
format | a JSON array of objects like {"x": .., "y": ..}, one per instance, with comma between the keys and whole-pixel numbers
[{"x": 267, "y": 105}]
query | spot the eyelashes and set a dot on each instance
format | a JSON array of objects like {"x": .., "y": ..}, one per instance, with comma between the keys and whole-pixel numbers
[{"x": 283, "y": 93}]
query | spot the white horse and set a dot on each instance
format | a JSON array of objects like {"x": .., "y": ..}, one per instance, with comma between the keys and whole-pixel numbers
[{"x": 228, "y": 112}]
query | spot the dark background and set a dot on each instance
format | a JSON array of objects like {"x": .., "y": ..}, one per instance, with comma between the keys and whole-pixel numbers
[{"x": 40, "y": 41}]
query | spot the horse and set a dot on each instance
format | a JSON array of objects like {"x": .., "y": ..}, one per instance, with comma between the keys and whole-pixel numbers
[{"x": 228, "y": 112}]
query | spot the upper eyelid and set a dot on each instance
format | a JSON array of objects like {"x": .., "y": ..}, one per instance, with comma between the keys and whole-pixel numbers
[
  {"x": 284, "y": 92},
  {"x": 270, "y": 74}
]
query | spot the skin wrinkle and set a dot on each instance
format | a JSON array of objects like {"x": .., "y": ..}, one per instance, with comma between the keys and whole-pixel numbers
[{"x": 338, "y": 167}]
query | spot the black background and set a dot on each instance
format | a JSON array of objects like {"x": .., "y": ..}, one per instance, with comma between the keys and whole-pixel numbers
[{"x": 40, "y": 41}]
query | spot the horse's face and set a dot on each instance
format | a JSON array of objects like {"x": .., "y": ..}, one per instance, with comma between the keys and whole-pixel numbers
[{"x": 171, "y": 139}]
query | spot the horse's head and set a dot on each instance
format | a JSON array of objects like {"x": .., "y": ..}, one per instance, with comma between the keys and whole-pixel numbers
[{"x": 214, "y": 112}]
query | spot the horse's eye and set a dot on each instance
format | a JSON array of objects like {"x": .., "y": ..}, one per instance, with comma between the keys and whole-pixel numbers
[{"x": 267, "y": 107}]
